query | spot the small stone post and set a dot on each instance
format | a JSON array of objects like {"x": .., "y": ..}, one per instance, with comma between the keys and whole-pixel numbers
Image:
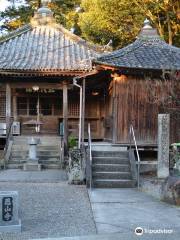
[
  {"x": 163, "y": 145},
  {"x": 32, "y": 163}
]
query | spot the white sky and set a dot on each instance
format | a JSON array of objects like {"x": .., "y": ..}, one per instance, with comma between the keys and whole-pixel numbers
[{"x": 4, "y": 4}]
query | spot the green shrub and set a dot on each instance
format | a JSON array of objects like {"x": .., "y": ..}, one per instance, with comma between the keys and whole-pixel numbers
[{"x": 72, "y": 142}]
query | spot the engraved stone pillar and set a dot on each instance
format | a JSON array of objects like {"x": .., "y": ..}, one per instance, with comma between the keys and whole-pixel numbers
[
  {"x": 163, "y": 145},
  {"x": 9, "y": 212}
]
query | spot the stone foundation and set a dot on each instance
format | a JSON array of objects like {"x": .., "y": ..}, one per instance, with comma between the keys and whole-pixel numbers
[{"x": 167, "y": 190}]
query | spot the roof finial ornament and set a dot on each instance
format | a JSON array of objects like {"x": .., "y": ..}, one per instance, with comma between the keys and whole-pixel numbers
[
  {"x": 147, "y": 23},
  {"x": 44, "y": 15},
  {"x": 44, "y": 3}
]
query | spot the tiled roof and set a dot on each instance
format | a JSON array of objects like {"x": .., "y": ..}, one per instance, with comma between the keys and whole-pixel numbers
[
  {"x": 149, "y": 51},
  {"x": 44, "y": 45}
]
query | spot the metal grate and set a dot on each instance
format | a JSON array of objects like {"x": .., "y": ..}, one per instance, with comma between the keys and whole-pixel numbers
[{"x": 73, "y": 109}]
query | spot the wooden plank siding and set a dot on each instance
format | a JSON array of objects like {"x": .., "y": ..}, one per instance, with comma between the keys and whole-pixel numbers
[{"x": 134, "y": 106}]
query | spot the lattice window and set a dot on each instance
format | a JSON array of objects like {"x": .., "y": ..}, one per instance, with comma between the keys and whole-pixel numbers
[
  {"x": 2, "y": 104},
  {"x": 73, "y": 109}
]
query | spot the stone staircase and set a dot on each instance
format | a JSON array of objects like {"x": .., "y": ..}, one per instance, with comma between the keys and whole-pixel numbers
[
  {"x": 47, "y": 152},
  {"x": 111, "y": 168}
]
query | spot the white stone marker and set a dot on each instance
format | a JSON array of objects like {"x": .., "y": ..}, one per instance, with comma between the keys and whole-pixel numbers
[
  {"x": 9, "y": 212},
  {"x": 33, "y": 142},
  {"x": 163, "y": 145},
  {"x": 32, "y": 163}
]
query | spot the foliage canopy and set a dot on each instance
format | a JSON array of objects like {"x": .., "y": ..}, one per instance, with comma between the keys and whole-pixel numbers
[{"x": 99, "y": 21}]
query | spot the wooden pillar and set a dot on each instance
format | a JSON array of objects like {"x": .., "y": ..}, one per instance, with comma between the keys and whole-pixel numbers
[
  {"x": 83, "y": 110},
  {"x": 14, "y": 107},
  {"x": 65, "y": 116},
  {"x": 114, "y": 113},
  {"x": 8, "y": 105}
]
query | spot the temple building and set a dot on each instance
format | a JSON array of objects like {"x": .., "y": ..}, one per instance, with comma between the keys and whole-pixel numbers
[
  {"x": 145, "y": 74},
  {"x": 45, "y": 70},
  {"x": 37, "y": 66}
]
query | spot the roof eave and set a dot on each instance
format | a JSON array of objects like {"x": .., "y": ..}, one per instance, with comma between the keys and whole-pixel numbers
[
  {"x": 114, "y": 66},
  {"x": 42, "y": 73}
]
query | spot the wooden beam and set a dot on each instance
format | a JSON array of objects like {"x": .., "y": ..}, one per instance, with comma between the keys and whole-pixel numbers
[
  {"x": 15, "y": 107},
  {"x": 65, "y": 116},
  {"x": 114, "y": 114},
  {"x": 8, "y": 105},
  {"x": 29, "y": 85}
]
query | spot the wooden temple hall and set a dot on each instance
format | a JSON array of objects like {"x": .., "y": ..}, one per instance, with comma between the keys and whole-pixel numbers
[{"x": 45, "y": 71}]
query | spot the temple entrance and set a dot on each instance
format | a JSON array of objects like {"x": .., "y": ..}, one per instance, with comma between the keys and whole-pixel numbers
[{"x": 45, "y": 106}]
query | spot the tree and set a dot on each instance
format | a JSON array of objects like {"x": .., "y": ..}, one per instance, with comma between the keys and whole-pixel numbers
[
  {"x": 18, "y": 16},
  {"x": 166, "y": 92},
  {"x": 103, "y": 20},
  {"x": 165, "y": 15},
  {"x": 122, "y": 19}
]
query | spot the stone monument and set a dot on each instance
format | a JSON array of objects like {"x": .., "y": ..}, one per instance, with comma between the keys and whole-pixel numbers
[
  {"x": 163, "y": 145},
  {"x": 32, "y": 163},
  {"x": 9, "y": 212}
]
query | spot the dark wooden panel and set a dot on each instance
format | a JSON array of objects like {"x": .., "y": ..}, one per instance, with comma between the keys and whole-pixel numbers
[{"x": 135, "y": 105}]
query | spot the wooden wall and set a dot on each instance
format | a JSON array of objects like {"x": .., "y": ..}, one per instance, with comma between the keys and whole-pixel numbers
[{"x": 131, "y": 100}]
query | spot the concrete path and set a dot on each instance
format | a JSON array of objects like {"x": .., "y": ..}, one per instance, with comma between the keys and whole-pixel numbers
[
  {"x": 117, "y": 236},
  {"x": 17, "y": 175},
  {"x": 49, "y": 206},
  {"x": 123, "y": 210}
]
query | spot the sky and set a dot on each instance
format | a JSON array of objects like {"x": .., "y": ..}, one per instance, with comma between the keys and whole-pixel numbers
[{"x": 3, "y": 4}]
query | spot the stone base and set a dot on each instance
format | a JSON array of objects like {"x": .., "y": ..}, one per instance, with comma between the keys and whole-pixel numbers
[
  {"x": 32, "y": 166},
  {"x": 167, "y": 190},
  {"x": 11, "y": 228}
]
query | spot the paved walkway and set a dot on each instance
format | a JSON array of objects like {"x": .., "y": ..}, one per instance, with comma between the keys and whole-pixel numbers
[
  {"x": 49, "y": 206},
  {"x": 122, "y": 210},
  {"x": 17, "y": 175}
]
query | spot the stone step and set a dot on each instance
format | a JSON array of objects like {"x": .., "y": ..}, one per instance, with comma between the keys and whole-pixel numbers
[
  {"x": 41, "y": 147},
  {"x": 111, "y": 167},
  {"x": 112, "y": 175},
  {"x": 44, "y": 166},
  {"x": 113, "y": 183},
  {"x": 42, "y": 140},
  {"x": 112, "y": 160},
  {"x": 51, "y": 166},
  {"x": 122, "y": 154},
  {"x": 46, "y": 161},
  {"x": 25, "y": 154},
  {"x": 14, "y": 166},
  {"x": 107, "y": 147}
]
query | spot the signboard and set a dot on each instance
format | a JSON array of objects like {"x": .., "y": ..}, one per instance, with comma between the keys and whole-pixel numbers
[
  {"x": 7, "y": 208},
  {"x": 9, "y": 212},
  {"x": 41, "y": 90}
]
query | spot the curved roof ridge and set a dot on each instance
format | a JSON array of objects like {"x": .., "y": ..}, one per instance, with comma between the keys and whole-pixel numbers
[
  {"x": 79, "y": 39},
  {"x": 25, "y": 28},
  {"x": 44, "y": 51},
  {"x": 148, "y": 51}
]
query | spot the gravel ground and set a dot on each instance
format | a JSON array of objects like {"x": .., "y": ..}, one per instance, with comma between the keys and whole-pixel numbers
[{"x": 51, "y": 210}]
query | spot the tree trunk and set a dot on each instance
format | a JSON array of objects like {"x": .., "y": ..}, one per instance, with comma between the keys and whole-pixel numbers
[{"x": 169, "y": 29}]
